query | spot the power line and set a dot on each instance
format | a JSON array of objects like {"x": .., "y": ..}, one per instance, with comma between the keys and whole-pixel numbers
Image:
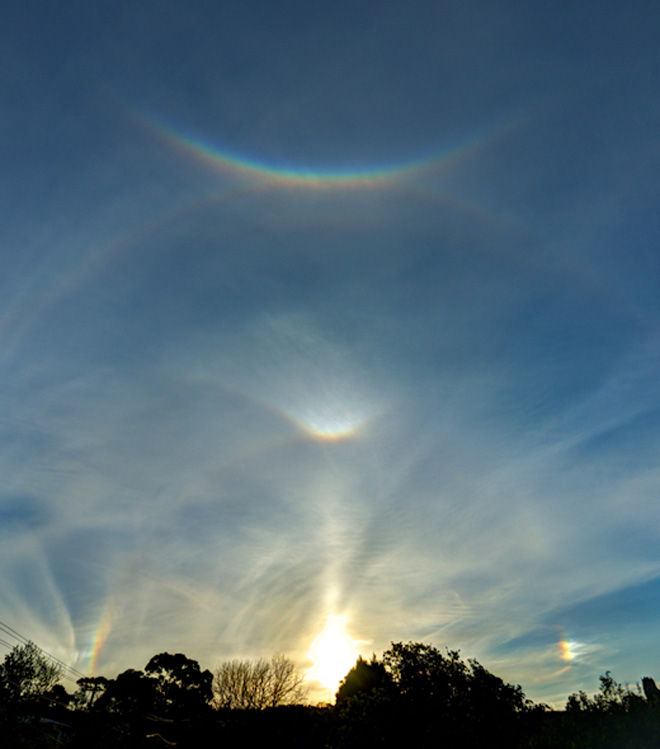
[
  {"x": 56, "y": 662},
  {"x": 11, "y": 647},
  {"x": 17, "y": 635},
  {"x": 6, "y": 644},
  {"x": 6, "y": 629}
]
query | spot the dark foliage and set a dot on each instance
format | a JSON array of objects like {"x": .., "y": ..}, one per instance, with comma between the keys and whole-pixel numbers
[
  {"x": 90, "y": 688},
  {"x": 415, "y": 695},
  {"x": 428, "y": 698},
  {"x": 26, "y": 674},
  {"x": 612, "y": 697},
  {"x": 364, "y": 677},
  {"x": 182, "y": 688}
]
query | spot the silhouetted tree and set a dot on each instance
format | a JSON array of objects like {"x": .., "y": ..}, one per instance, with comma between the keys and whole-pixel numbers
[
  {"x": 127, "y": 705},
  {"x": 365, "y": 676},
  {"x": 423, "y": 674},
  {"x": 256, "y": 685},
  {"x": 26, "y": 674},
  {"x": 651, "y": 691},
  {"x": 432, "y": 698},
  {"x": 58, "y": 694},
  {"x": 616, "y": 716},
  {"x": 285, "y": 683},
  {"x": 488, "y": 695},
  {"x": 90, "y": 688},
  {"x": 130, "y": 694},
  {"x": 612, "y": 697},
  {"x": 182, "y": 688}
]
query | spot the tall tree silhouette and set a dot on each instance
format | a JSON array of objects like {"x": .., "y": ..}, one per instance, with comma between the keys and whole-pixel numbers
[{"x": 180, "y": 684}]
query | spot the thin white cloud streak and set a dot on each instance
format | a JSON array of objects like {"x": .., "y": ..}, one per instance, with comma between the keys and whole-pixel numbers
[
  {"x": 189, "y": 499},
  {"x": 232, "y": 530},
  {"x": 466, "y": 544}
]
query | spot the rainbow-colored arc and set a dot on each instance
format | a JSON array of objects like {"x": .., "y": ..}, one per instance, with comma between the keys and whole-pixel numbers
[
  {"x": 245, "y": 167},
  {"x": 303, "y": 177},
  {"x": 100, "y": 636}
]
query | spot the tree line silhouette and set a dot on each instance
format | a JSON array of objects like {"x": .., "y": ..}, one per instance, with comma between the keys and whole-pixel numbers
[{"x": 414, "y": 695}]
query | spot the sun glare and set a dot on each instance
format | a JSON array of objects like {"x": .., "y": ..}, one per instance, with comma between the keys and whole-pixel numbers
[{"x": 333, "y": 653}]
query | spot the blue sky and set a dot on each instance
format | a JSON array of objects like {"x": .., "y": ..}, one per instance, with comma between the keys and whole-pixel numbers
[{"x": 235, "y": 401}]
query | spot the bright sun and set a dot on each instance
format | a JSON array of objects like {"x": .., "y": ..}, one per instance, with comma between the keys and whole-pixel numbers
[{"x": 333, "y": 653}]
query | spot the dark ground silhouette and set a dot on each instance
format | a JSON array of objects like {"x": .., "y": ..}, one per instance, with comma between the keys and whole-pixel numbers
[{"x": 415, "y": 695}]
